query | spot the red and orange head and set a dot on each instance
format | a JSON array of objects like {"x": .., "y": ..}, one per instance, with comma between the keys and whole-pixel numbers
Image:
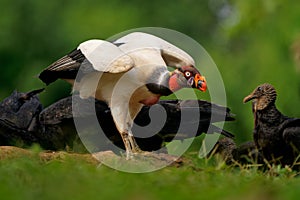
[{"x": 187, "y": 76}]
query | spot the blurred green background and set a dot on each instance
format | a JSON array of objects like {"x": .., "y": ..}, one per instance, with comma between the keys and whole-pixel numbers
[{"x": 251, "y": 42}]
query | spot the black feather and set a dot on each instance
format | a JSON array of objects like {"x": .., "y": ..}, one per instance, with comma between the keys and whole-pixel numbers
[{"x": 65, "y": 68}]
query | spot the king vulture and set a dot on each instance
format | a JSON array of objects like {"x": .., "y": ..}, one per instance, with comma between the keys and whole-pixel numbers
[{"x": 127, "y": 73}]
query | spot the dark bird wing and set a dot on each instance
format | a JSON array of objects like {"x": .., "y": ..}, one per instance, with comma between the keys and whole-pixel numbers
[
  {"x": 208, "y": 113},
  {"x": 215, "y": 129},
  {"x": 64, "y": 68},
  {"x": 291, "y": 133}
]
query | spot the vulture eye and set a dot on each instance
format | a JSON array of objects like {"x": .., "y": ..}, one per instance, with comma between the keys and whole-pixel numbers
[
  {"x": 187, "y": 74},
  {"x": 259, "y": 89}
]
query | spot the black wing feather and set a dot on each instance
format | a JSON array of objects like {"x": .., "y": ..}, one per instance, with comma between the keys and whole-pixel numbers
[
  {"x": 65, "y": 68},
  {"x": 291, "y": 132}
]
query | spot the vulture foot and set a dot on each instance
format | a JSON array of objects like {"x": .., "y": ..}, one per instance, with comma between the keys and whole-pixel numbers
[{"x": 130, "y": 145}]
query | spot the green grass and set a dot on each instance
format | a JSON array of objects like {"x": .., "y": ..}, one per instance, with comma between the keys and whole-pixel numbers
[{"x": 27, "y": 177}]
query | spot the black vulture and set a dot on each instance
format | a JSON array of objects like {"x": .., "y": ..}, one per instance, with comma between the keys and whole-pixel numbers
[{"x": 276, "y": 136}]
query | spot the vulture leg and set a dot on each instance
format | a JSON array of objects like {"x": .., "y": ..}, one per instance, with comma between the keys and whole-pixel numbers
[
  {"x": 125, "y": 138},
  {"x": 124, "y": 123},
  {"x": 130, "y": 144}
]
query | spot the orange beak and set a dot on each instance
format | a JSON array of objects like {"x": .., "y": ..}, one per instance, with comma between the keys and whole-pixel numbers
[{"x": 200, "y": 82}]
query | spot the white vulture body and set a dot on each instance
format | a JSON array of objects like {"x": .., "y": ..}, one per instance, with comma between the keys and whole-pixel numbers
[{"x": 127, "y": 74}]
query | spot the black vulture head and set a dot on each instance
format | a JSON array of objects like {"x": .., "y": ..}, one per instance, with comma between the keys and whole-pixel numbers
[{"x": 262, "y": 96}]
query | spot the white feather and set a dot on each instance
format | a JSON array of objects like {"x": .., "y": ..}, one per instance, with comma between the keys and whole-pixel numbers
[
  {"x": 173, "y": 55},
  {"x": 105, "y": 56}
]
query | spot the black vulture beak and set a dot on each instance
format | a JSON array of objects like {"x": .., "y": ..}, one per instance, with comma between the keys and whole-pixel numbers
[
  {"x": 249, "y": 98},
  {"x": 30, "y": 94}
]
